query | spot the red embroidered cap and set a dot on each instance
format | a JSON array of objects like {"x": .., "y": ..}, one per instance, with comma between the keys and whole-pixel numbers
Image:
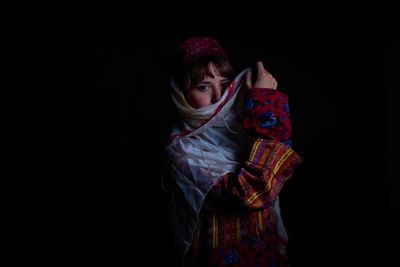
[{"x": 197, "y": 47}]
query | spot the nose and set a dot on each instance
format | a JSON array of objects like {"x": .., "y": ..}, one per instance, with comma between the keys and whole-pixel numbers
[{"x": 217, "y": 94}]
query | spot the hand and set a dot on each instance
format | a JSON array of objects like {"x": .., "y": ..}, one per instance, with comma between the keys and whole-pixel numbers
[{"x": 263, "y": 79}]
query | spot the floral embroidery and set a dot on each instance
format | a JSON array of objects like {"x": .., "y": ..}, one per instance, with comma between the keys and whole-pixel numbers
[
  {"x": 267, "y": 114},
  {"x": 285, "y": 107},
  {"x": 232, "y": 257},
  {"x": 249, "y": 104},
  {"x": 267, "y": 120},
  {"x": 225, "y": 235}
]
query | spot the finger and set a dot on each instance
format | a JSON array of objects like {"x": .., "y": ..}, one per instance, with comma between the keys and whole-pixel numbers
[
  {"x": 248, "y": 79},
  {"x": 260, "y": 67}
]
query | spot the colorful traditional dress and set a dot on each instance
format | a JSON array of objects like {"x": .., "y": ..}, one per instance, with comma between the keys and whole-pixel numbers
[{"x": 225, "y": 171}]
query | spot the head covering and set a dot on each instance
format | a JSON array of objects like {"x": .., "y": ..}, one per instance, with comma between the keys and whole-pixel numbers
[{"x": 197, "y": 47}]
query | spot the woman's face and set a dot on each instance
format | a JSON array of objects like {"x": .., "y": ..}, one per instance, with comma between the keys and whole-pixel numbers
[{"x": 207, "y": 91}]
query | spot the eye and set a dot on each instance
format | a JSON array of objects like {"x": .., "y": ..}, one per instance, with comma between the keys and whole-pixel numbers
[{"x": 203, "y": 87}]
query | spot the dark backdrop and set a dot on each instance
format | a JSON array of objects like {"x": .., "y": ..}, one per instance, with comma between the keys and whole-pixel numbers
[{"x": 87, "y": 114}]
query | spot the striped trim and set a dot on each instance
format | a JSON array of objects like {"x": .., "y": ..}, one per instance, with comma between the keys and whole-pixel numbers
[
  {"x": 238, "y": 232},
  {"x": 272, "y": 157},
  {"x": 214, "y": 231},
  {"x": 260, "y": 224}
]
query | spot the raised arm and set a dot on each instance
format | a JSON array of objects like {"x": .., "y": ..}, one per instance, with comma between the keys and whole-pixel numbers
[{"x": 267, "y": 109}]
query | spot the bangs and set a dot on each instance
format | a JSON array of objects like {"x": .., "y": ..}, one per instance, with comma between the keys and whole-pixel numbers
[{"x": 196, "y": 72}]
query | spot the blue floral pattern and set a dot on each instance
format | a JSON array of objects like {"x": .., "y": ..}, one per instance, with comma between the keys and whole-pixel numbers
[
  {"x": 232, "y": 257},
  {"x": 267, "y": 120},
  {"x": 267, "y": 114}
]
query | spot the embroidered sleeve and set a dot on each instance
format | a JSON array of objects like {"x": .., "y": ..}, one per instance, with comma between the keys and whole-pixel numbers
[
  {"x": 267, "y": 114},
  {"x": 257, "y": 185}
]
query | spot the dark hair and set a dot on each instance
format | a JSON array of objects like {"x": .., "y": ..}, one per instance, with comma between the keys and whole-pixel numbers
[{"x": 193, "y": 72}]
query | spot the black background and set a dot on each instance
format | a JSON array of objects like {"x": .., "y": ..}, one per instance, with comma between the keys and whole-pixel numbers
[{"x": 87, "y": 113}]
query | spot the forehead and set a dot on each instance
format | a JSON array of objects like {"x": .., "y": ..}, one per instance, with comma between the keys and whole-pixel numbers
[
  {"x": 216, "y": 75},
  {"x": 213, "y": 69}
]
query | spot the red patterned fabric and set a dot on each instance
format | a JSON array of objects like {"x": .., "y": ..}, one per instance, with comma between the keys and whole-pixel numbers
[
  {"x": 241, "y": 241},
  {"x": 267, "y": 114},
  {"x": 236, "y": 225},
  {"x": 258, "y": 183}
]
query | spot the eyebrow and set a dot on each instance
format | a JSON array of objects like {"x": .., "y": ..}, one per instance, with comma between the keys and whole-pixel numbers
[{"x": 222, "y": 81}]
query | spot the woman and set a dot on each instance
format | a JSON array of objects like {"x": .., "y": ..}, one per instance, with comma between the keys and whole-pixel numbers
[{"x": 227, "y": 161}]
